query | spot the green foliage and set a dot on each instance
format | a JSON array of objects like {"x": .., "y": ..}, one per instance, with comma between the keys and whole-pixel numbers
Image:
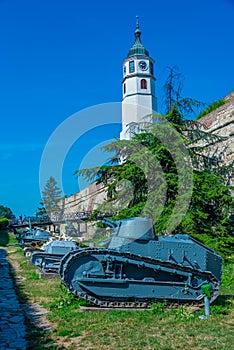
[
  {"x": 222, "y": 305},
  {"x": 173, "y": 94},
  {"x": 66, "y": 299},
  {"x": 41, "y": 210},
  {"x": 5, "y": 212},
  {"x": 34, "y": 276},
  {"x": 163, "y": 309},
  {"x": 212, "y": 107},
  {"x": 158, "y": 307},
  {"x": 183, "y": 314},
  {"x": 211, "y": 203},
  {"x": 12, "y": 240},
  {"x": 4, "y": 222},
  {"x": 223, "y": 245},
  {"x": 50, "y": 196},
  {"x": 4, "y": 238}
]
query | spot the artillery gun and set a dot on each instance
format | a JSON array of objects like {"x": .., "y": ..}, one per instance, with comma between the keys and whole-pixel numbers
[
  {"x": 49, "y": 257},
  {"x": 136, "y": 267}
]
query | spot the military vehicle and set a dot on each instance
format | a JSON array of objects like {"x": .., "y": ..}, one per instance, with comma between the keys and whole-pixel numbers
[
  {"x": 136, "y": 267},
  {"x": 32, "y": 236},
  {"x": 49, "y": 257}
]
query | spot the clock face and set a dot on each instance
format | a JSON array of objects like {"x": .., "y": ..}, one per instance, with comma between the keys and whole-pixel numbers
[{"x": 142, "y": 65}]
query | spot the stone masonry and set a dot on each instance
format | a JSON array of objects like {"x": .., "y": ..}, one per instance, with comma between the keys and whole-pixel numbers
[
  {"x": 86, "y": 200},
  {"x": 12, "y": 328},
  {"x": 221, "y": 122}
]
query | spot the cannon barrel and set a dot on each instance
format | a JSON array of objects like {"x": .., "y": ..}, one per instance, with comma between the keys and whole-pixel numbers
[{"x": 109, "y": 223}]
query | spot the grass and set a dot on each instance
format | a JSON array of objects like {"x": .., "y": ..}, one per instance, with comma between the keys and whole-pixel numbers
[
  {"x": 161, "y": 328},
  {"x": 212, "y": 107}
]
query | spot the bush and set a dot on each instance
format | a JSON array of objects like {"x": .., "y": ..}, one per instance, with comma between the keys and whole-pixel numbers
[
  {"x": 222, "y": 245},
  {"x": 4, "y": 222},
  {"x": 211, "y": 108}
]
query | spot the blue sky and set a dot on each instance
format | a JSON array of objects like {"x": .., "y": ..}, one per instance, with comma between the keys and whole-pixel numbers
[{"x": 58, "y": 57}]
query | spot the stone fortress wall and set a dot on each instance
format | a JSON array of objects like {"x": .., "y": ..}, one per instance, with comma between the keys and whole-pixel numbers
[
  {"x": 82, "y": 203},
  {"x": 221, "y": 122},
  {"x": 86, "y": 200}
]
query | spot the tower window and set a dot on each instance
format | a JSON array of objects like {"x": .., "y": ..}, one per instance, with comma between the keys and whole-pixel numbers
[
  {"x": 124, "y": 88},
  {"x": 131, "y": 67},
  {"x": 143, "y": 84},
  {"x": 151, "y": 68}
]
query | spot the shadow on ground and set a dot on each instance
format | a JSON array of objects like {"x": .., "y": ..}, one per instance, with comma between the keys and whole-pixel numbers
[{"x": 37, "y": 328}]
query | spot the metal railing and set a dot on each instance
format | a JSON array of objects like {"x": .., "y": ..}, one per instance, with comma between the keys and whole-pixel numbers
[{"x": 60, "y": 217}]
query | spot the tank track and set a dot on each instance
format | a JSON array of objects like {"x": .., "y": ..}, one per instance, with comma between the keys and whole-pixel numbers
[
  {"x": 67, "y": 261},
  {"x": 49, "y": 263}
]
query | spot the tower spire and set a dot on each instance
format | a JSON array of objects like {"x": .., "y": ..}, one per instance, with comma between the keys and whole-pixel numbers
[
  {"x": 137, "y": 31},
  {"x": 137, "y": 22},
  {"x": 138, "y": 49}
]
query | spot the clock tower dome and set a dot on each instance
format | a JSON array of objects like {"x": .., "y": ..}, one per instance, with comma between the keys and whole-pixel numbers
[{"x": 139, "y": 101}]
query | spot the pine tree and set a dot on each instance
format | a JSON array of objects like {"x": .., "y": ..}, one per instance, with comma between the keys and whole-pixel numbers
[
  {"x": 41, "y": 211},
  {"x": 51, "y": 196},
  {"x": 6, "y": 212}
]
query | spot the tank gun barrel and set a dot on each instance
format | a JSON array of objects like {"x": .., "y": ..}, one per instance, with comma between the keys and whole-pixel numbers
[{"x": 109, "y": 223}]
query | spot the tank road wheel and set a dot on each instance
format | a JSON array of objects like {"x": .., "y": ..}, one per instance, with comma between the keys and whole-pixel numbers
[
  {"x": 28, "y": 252},
  {"x": 81, "y": 267}
]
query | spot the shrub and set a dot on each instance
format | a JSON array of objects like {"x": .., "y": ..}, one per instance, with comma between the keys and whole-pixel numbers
[
  {"x": 211, "y": 108},
  {"x": 4, "y": 222}
]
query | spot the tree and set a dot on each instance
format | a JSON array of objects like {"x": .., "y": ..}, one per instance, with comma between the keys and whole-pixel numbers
[
  {"x": 173, "y": 95},
  {"x": 211, "y": 203},
  {"x": 4, "y": 222},
  {"x": 51, "y": 196},
  {"x": 41, "y": 211},
  {"x": 6, "y": 212}
]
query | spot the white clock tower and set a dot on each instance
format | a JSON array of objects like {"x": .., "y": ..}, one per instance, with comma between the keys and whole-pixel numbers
[{"x": 139, "y": 101}]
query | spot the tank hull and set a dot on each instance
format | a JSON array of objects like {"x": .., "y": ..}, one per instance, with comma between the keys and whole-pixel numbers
[{"x": 104, "y": 276}]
